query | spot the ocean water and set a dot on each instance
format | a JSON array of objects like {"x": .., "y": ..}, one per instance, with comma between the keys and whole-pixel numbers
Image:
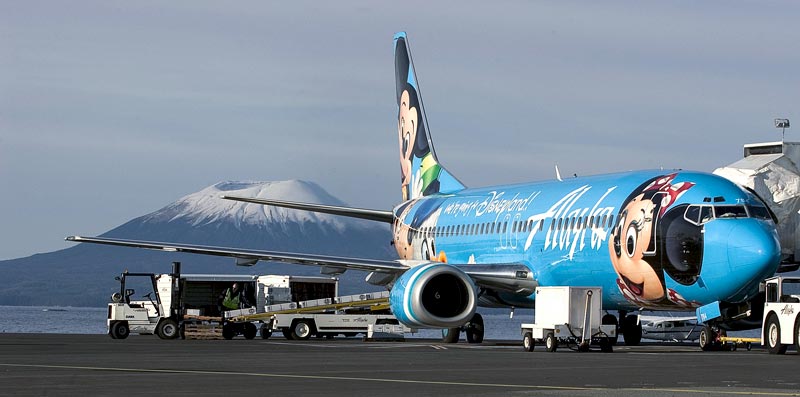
[
  {"x": 53, "y": 320},
  {"x": 92, "y": 320}
]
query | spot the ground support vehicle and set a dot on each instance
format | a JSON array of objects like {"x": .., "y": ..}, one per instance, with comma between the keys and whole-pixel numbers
[
  {"x": 735, "y": 342},
  {"x": 781, "y": 327},
  {"x": 343, "y": 315},
  {"x": 568, "y": 316},
  {"x": 156, "y": 315},
  {"x": 175, "y": 302}
]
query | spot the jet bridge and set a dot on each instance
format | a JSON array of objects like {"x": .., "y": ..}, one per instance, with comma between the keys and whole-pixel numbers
[{"x": 771, "y": 170}]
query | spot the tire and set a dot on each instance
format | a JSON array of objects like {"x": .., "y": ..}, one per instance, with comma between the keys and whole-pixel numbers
[
  {"x": 772, "y": 336},
  {"x": 228, "y": 331},
  {"x": 167, "y": 328},
  {"x": 250, "y": 331},
  {"x": 797, "y": 335},
  {"x": 607, "y": 345},
  {"x": 527, "y": 342},
  {"x": 120, "y": 330},
  {"x": 265, "y": 331},
  {"x": 706, "y": 339},
  {"x": 287, "y": 333},
  {"x": 110, "y": 329},
  {"x": 632, "y": 331},
  {"x": 451, "y": 335},
  {"x": 475, "y": 329},
  {"x": 302, "y": 329},
  {"x": 550, "y": 342},
  {"x": 610, "y": 319}
]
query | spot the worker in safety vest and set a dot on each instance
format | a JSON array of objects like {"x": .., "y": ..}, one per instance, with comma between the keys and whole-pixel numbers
[{"x": 229, "y": 299}]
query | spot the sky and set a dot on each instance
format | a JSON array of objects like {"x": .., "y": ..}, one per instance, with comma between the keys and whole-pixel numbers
[{"x": 110, "y": 110}]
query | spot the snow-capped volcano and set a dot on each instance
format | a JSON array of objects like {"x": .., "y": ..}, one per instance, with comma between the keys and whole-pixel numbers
[
  {"x": 206, "y": 206},
  {"x": 205, "y": 218},
  {"x": 84, "y": 274}
]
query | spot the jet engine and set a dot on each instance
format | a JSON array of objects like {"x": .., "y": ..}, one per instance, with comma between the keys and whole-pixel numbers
[{"x": 434, "y": 295}]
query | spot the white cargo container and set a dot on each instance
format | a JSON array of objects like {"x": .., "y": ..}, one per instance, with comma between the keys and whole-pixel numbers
[{"x": 570, "y": 316}]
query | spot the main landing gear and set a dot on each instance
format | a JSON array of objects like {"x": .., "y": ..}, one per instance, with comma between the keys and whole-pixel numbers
[{"x": 473, "y": 330}]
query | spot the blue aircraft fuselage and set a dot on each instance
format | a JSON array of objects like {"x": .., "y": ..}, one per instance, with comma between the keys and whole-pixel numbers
[{"x": 650, "y": 239}]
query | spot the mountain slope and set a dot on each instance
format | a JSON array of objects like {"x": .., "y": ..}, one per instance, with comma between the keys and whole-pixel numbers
[{"x": 84, "y": 275}]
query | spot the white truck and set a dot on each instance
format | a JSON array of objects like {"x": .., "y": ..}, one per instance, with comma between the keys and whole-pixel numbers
[
  {"x": 781, "y": 326},
  {"x": 569, "y": 316}
]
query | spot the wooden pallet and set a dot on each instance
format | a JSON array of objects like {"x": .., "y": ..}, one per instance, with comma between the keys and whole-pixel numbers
[{"x": 202, "y": 331}]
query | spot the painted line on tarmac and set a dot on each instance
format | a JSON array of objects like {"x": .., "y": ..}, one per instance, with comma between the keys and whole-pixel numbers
[{"x": 387, "y": 380}]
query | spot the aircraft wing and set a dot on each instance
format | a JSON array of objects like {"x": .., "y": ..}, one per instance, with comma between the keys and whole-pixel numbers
[
  {"x": 250, "y": 257},
  {"x": 512, "y": 277},
  {"x": 373, "y": 215}
]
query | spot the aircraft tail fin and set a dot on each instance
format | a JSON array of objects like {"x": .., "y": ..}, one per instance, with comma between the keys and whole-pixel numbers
[{"x": 420, "y": 170}]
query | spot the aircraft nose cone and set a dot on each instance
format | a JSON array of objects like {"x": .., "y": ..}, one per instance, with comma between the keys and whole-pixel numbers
[{"x": 753, "y": 250}]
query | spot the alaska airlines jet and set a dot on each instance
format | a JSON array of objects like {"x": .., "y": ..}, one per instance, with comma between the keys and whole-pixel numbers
[{"x": 659, "y": 240}]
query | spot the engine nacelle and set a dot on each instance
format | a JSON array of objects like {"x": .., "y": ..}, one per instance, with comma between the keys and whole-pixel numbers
[{"x": 434, "y": 295}]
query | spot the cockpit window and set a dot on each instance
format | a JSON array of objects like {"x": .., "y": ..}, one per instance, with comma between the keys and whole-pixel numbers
[
  {"x": 758, "y": 211},
  {"x": 730, "y": 211},
  {"x": 700, "y": 214}
]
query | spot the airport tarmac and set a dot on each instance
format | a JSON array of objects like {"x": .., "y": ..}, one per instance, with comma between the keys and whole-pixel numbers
[{"x": 48, "y": 364}]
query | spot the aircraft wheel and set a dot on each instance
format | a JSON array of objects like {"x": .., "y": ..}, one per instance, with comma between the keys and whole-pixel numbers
[
  {"x": 301, "y": 330},
  {"x": 632, "y": 330},
  {"x": 772, "y": 334},
  {"x": 451, "y": 335},
  {"x": 550, "y": 342},
  {"x": 167, "y": 329},
  {"x": 249, "y": 331},
  {"x": 120, "y": 330},
  {"x": 475, "y": 329},
  {"x": 527, "y": 342}
]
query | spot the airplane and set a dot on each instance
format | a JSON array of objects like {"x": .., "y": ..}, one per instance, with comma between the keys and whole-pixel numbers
[
  {"x": 652, "y": 239},
  {"x": 675, "y": 329}
]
